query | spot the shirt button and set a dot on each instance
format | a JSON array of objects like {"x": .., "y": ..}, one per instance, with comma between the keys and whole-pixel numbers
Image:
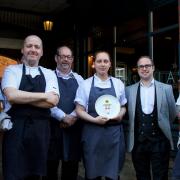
[
  {"x": 153, "y": 133},
  {"x": 152, "y": 124},
  {"x": 151, "y": 115}
]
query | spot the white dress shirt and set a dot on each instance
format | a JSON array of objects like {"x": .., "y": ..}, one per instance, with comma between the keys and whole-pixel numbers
[
  {"x": 178, "y": 100},
  {"x": 147, "y": 97}
]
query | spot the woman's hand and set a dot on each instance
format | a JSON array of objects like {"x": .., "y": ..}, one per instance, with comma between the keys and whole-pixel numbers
[{"x": 100, "y": 120}]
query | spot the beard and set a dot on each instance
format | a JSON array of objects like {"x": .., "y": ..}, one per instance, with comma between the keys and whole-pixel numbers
[{"x": 31, "y": 62}]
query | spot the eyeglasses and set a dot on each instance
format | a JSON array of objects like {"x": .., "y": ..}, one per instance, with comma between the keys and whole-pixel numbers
[
  {"x": 146, "y": 66},
  {"x": 64, "y": 57}
]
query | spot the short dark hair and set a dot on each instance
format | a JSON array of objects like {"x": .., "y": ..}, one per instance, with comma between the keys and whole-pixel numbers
[
  {"x": 147, "y": 57},
  {"x": 101, "y": 51}
]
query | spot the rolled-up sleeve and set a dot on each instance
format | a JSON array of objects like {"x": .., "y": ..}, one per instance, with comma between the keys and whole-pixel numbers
[
  {"x": 57, "y": 113},
  {"x": 51, "y": 82},
  {"x": 81, "y": 96}
]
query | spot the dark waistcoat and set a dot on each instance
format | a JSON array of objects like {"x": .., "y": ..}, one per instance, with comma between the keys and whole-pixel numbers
[{"x": 146, "y": 125}]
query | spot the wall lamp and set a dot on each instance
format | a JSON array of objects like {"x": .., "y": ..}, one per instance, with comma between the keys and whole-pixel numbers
[{"x": 48, "y": 25}]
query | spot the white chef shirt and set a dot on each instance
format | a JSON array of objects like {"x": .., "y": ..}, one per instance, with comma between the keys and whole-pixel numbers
[
  {"x": 82, "y": 95},
  {"x": 56, "y": 112}
]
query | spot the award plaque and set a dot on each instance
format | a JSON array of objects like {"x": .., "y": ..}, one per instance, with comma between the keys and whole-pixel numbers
[{"x": 107, "y": 106}]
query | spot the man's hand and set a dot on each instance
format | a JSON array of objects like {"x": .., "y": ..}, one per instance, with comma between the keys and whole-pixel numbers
[
  {"x": 69, "y": 119},
  {"x": 178, "y": 115},
  {"x": 63, "y": 125},
  {"x": 5, "y": 122},
  {"x": 52, "y": 98},
  {"x": 178, "y": 143}
]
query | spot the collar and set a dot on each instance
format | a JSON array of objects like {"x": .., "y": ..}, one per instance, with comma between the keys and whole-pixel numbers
[
  {"x": 60, "y": 74},
  {"x": 31, "y": 67},
  {"x": 149, "y": 85},
  {"x": 100, "y": 80}
]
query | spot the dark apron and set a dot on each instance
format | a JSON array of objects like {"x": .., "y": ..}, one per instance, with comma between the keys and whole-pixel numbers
[
  {"x": 103, "y": 145},
  {"x": 25, "y": 146},
  {"x": 65, "y": 143}
]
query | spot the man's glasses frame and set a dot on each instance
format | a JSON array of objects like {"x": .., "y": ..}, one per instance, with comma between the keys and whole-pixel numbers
[
  {"x": 69, "y": 57},
  {"x": 146, "y": 66}
]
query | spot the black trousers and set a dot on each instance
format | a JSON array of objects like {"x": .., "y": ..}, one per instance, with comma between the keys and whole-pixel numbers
[
  {"x": 69, "y": 170},
  {"x": 32, "y": 178},
  {"x": 99, "y": 178},
  {"x": 150, "y": 159},
  {"x": 176, "y": 167}
]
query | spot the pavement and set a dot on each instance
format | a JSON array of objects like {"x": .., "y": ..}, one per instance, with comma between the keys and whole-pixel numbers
[{"x": 127, "y": 172}]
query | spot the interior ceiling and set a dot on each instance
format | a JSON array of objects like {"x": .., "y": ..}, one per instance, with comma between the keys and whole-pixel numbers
[
  {"x": 36, "y": 6},
  {"x": 93, "y": 10}
]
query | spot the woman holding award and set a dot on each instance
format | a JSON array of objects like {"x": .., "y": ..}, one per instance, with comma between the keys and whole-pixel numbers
[{"x": 102, "y": 135}]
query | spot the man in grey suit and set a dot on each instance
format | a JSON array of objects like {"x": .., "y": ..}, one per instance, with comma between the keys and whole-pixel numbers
[{"x": 151, "y": 108}]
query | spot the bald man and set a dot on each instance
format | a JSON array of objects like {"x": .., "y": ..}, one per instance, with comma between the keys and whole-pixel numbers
[{"x": 31, "y": 91}]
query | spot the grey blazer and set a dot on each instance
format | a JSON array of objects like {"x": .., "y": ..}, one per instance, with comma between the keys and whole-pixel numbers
[{"x": 166, "y": 109}]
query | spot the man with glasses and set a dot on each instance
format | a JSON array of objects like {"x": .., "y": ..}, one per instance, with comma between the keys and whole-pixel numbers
[
  {"x": 151, "y": 108},
  {"x": 65, "y": 126}
]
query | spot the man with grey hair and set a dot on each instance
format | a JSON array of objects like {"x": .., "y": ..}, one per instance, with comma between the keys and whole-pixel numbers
[{"x": 65, "y": 144}]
